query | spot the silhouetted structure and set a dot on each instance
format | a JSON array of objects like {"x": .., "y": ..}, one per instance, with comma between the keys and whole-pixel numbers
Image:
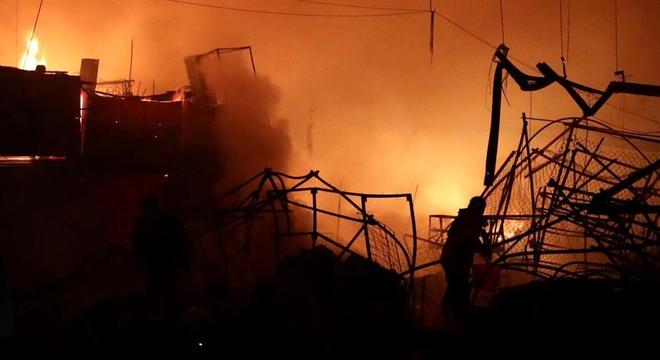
[
  {"x": 39, "y": 113},
  {"x": 533, "y": 83},
  {"x": 577, "y": 198},
  {"x": 279, "y": 195}
]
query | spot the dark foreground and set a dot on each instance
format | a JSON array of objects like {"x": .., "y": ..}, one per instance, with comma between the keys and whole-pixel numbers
[{"x": 318, "y": 307}]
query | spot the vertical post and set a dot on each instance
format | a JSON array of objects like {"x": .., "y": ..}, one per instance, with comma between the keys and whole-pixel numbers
[
  {"x": 130, "y": 70},
  {"x": 531, "y": 176},
  {"x": 414, "y": 247},
  {"x": 414, "y": 233},
  {"x": 314, "y": 226},
  {"x": 428, "y": 233},
  {"x": 338, "y": 213},
  {"x": 493, "y": 137},
  {"x": 365, "y": 226},
  {"x": 507, "y": 191}
]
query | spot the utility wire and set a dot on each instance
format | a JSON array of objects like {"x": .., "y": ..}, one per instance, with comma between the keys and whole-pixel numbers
[
  {"x": 502, "y": 19},
  {"x": 34, "y": 28},
  {"x": 561, "y": 38},
  {"x": 329, "y": 3},
  {"x": 616, "y": 35},
  {"x": 568, "y": 32},
  {"x": 561, "y": 29},
  {"x": 270, "y": 12},
  {"x": 633, "y": 113},
  {"x": 405, "y": 12}
]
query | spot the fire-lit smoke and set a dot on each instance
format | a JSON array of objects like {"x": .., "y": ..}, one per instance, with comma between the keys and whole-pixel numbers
[
  {"x": 32, "y": 55},
  {"x": 384, "y": 117},
  {"x": 249, "y": 136}
]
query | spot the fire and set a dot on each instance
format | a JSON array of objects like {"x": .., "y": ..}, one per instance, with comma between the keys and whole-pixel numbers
[
  {"x": 31, "y": 57},
  {"x": 514, "y": 227}
]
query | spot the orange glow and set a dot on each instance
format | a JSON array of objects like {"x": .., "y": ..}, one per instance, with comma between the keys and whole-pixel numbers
[
  {"x": 31, "y": 57},
  {"x": 513, "y": 228},
  {"x": 82, "y": 106},
  {"x": 385, "y": 118},
  {"x": 29, "y": 158}
]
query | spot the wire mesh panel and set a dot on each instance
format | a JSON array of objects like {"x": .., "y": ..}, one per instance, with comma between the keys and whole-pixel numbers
[{"x": 561, "y": 230}]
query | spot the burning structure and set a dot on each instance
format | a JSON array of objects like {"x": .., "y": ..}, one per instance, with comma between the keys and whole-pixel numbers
[
  {"x": 547, "y": 216},
  {"x": 58, "y": 116},
  {"x": 577, "y": 198},
  {"x": 54, "y": 115}
]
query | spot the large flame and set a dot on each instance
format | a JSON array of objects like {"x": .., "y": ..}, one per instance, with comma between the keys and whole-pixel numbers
[{"x": 31, "y": 57}]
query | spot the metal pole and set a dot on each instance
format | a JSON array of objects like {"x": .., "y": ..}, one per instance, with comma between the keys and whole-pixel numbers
[
  {"x": 365, "y": 226},
  {"x": 315, "y": 224}
]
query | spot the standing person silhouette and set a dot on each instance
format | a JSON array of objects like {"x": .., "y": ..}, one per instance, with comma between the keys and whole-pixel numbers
[
  {"x": 458, "y": 254},
  {"x": 161, "y": 247}
]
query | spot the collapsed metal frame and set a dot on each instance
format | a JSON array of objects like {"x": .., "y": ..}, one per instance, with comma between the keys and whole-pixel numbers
[
  {"x": 587, "y": 213},
  {"x": 528, "y": 82},
  {"x": 568, "y": 229},
  {"x": 618, "y": 227},
  {"x": 279, "y": 194}
]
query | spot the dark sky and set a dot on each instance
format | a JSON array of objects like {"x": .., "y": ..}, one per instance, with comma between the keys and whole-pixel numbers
[{"x": 385, "y": 119}]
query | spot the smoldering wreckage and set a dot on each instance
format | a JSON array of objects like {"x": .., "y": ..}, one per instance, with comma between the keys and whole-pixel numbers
[{"x": 573, "y": 222}]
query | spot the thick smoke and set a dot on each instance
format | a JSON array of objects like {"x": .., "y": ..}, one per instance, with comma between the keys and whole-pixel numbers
[
  {"x": 385, "y": 119},
  {"x": 248, "y": 135}
]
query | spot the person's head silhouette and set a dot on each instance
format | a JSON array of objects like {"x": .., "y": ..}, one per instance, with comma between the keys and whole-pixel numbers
[{"x": 477, "y": 204}]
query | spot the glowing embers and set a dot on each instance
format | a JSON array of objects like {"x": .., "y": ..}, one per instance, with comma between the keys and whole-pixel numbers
[
  {"x": 28, "y": 160},
  {"x": 32, "y": 56},
  {"x": 512, "y": 228}
]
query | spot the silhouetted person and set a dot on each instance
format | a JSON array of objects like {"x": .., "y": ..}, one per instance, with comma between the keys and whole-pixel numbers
[
  {"x": 458, "y": 253},
  {"x": 162, "y": 248}
]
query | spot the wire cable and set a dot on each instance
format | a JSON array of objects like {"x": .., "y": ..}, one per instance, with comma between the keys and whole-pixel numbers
[
  {"x": 502, "y": 19},
  {"x": 34, "y": 28},
  {"x": 283, "y": 13},
  {"x": 329, "y": 3}
]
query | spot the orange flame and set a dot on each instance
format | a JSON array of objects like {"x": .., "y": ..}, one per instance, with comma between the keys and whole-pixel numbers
[{"x": 31, "y": 57}]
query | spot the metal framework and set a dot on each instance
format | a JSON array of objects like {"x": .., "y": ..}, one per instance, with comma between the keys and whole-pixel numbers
[
  {"x": 576, "y": 198},
  {"x": 532, "y": 83},
  {"x": 307, "y": 197},
  {"x": 585, "y": 204}
]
